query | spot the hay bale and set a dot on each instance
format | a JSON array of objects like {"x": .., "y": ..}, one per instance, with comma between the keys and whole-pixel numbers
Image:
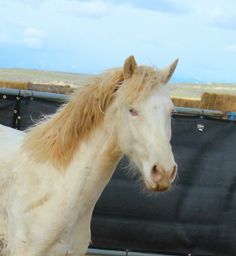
[
  {"x": 222, "y": 102},
  {"x": 42, "y": 87},
  {"x": 52, "y": 88},
  {"x": 14, "y": 85},
  {"x": 211, "y": 101},
  {"x": 186, "y": 102}
]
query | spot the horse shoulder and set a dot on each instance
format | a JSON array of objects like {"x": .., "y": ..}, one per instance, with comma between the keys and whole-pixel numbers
[
  {"x": 11, "y": 140},
  {"x": 10, "y": 143}
]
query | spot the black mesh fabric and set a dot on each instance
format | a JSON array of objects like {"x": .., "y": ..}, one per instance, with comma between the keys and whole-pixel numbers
[{"x": 7, "y": 106}]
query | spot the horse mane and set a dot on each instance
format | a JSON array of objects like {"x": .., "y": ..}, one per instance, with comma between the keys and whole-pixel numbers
[{"x": 56, "y": 137}]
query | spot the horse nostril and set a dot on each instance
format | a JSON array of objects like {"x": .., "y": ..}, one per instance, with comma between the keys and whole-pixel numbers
[
  {"x": 156, "y": 174},
  {"x": 173, "y": 174}
]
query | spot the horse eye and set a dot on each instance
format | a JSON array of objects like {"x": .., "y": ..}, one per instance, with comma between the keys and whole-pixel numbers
[{"x": 133, "y": 112}]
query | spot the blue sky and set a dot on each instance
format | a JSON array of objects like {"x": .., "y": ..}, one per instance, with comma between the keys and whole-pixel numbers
[{"x": 90, "y": 36}]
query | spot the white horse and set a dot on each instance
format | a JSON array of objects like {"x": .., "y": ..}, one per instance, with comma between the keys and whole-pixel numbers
[{"x": 52, "y": 175}]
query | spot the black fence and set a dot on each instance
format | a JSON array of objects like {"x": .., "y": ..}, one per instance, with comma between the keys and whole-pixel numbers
[{"x": 196, "y": 217}]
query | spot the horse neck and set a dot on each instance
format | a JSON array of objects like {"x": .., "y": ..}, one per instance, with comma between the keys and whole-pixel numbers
[{"x": 94, "y": 163}]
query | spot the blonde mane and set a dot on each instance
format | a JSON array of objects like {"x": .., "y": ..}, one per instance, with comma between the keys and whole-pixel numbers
[{"x": 56, "y": 138}]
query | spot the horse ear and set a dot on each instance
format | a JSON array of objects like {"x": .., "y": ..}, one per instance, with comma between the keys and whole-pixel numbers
[
  {"x": 167, "y": 72},
  {"x": 129, "y": 67}
]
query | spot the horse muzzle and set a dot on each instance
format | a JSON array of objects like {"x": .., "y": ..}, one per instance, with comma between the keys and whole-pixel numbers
[{"x": 160, "y": 180}]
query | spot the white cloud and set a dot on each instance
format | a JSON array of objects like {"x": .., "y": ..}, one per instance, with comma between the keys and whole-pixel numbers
[
  {"x": 33, "y": 37},
  {"x": 33, "y": 32},
  {"x": 33, "y": 42},
  {"x": 4, "y": 38},
  {"x": 231, "y": 48},
  {"x": 91, "y": 9},
  {"x": 222, "y": 15},
  {"x": 216, "y": 13}
]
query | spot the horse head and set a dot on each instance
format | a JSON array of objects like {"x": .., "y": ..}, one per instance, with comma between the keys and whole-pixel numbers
[{"x": 144, "y": 127}]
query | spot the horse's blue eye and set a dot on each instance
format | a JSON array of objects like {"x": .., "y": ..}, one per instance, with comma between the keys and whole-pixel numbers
[{"x": 133, "y": 112}]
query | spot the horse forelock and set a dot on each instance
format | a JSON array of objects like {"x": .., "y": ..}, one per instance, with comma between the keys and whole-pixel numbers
[
  {"x": 140, "y": 85},
  {"x": 56, "y": 138}
]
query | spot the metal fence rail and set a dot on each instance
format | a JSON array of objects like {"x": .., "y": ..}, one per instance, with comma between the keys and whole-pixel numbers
[
  {"x": 63, "y": 98},
  {"x": 103, "y": 252},
  {"x": 36, "y": 94}
]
